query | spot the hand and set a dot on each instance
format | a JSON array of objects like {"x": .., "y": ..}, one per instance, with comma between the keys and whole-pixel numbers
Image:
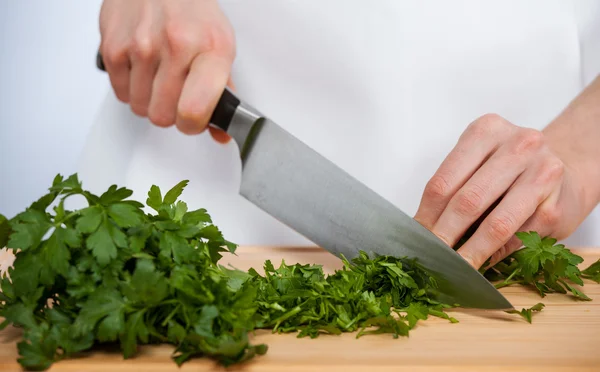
[
  {"x": 170, "y": 60},
  {"x": 494, "y": 160}
]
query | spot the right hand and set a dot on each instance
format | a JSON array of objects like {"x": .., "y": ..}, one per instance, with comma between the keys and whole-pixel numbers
[{"x": 170, "y": 60}]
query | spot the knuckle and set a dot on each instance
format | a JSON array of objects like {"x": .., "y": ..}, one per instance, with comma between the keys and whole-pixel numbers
[
  {"x": 114, "y": 54},
  {"x": 437, "y": 188},
  {"x": 552, "y": 171},
  {"x": 223, "y": 42},
  {"x": 217, "y": 39},
  {"x": 470, "y": 258},
  {"x": 210, "y": 38},
  {"x": 470, "y": 201},
  {"x": 492, "y": 119},
  {"x": 475, "y": 257},
  {"x": 528, "y": 140},
  {"x": 487, "y": 124},
  {"x": 143, "y": 47},
  {"x": 178, "y": 38},
  {"x": 504, "y": 251},
  {"x": 513, "y": 244},
  {"x": 549, "y": 216},
  {"x": 500, "y": 228}
]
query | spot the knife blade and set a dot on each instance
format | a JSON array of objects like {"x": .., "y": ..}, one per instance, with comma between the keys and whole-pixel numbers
[
  {"x": 293, "y": 183},
  {"x": 302, "y": 189}
]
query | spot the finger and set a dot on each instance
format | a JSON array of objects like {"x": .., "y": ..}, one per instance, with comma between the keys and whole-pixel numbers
[
  {"x": 209, "y": 74},
  {"x": 478, "y": 142},
  {"x": 487, "y": 185},
  {"x": 142, "y": 76},
  {"x": 115, "y": 55},
  {"x": 144, "y": 57},
  {"x": 519, "y": 204},
  {"x": 166, "y": 90},
  {"x": 543, "y": 221}
]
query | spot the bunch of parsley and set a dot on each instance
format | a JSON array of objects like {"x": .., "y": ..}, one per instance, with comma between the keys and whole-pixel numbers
[{"x": 111, "y": 273}]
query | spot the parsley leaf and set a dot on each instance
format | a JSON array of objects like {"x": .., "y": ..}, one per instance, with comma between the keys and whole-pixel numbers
[
  {"x": 124, "y": 215},
  {"x": 542, "y": 264},
  {"x": 105, "y": 305},
  {"x": 102, "y": 244},
  {"x": 114, "y": 195},
  {"x": 592, "y": 272},
  {"x": 527, "y": 313},
  {"x": 5, "y": 231},
  {"x": 28, "y": 229},
  {"x": 154, "y": 198},
  {"x": 90, "y": 219},
  {"x": 55, "y": 251},
  {"x": 174, "y": 193}
]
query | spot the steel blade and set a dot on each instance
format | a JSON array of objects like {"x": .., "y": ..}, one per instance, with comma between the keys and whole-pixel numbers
[{"x": 302, "y": 189}]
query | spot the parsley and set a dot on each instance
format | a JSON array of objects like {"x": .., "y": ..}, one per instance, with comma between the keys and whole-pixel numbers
[
  {"x": 365, "y": 293},
  {"x": 113, "y": 273},
  {"x": 527, "y": 313},
  {"x": 542, "y": 264},
  {"x": 592, "y": 272},
  {"x": 110, "y": 273}
]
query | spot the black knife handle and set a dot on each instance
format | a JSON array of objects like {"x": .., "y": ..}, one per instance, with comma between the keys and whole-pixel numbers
[{"x": 224, "y": 110}]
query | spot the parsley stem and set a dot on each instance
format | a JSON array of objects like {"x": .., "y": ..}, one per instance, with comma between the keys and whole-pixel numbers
[
  {"x": 507, "y": 283},
  {"x": 168, "y": 318},
  {"x": 285, "y": 316},
  {"x": 511, "y": 275},
  {"x": 67, "y": 217}
]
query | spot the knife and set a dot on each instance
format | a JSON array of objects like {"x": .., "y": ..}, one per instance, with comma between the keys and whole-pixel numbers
[{"x": 302, "y": 189}]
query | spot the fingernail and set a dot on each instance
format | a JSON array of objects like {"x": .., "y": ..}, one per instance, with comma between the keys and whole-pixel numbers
[{"x": 219, "y": 135}]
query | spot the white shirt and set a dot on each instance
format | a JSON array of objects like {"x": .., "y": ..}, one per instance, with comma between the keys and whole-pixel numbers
[{"x": 382, "y": 88}]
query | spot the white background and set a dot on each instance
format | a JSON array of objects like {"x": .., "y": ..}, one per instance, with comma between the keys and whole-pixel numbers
[{"x": 50, "y": 92}]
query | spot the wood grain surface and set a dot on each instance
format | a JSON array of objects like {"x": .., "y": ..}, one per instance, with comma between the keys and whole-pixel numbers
[{"x": 565, "y": 336}]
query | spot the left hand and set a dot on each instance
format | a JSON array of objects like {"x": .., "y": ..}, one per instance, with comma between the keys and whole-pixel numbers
[{"x": 495, "y": 159}]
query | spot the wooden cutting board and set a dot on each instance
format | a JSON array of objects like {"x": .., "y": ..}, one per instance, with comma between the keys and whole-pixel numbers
[{"x": 565, "y": 336}]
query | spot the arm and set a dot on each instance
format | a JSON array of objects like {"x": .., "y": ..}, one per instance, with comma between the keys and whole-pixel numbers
[{"x": 575, "y": 137}]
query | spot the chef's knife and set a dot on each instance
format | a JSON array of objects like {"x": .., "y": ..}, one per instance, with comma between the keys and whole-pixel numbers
[{"x": 293, "y": 183}]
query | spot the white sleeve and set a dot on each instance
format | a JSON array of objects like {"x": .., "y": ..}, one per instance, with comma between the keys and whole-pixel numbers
[{"x": 587, "y": 13}]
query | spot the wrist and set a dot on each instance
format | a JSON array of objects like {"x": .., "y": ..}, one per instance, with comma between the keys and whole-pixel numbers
[{"x": 573, "y": 136}]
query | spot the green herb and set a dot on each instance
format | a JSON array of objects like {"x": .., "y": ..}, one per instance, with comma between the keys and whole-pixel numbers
[
  {"x": 113, "y": 273},
  {"x": 365, "y": 293},
  {"x": 592, "y": 272},
  {"x": 543, "y": 264},
  {"x": 4, "y": 231},
  {"x": 527, "y": 313}
]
